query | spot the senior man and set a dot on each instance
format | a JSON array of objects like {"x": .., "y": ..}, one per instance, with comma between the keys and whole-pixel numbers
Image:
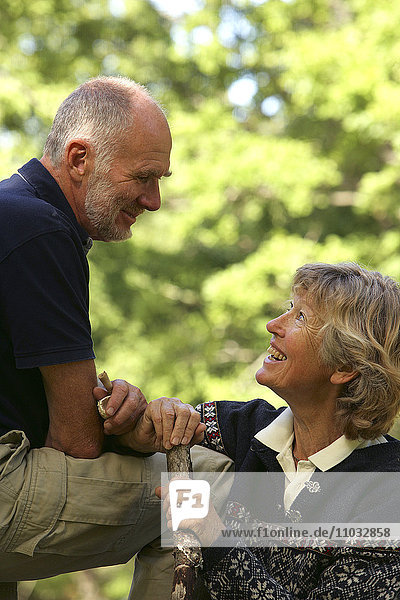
[{"x": 65, "y": 503}]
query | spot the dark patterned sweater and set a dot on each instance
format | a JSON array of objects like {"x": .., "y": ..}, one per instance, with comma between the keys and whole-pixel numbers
[{"x": 288, "y": 573}]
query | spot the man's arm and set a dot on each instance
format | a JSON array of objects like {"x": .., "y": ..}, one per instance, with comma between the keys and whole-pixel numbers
[{"x": 75, "y": 427}]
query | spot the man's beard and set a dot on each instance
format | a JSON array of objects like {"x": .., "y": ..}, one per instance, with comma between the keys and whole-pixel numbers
[{"x": 102, "y": 208}]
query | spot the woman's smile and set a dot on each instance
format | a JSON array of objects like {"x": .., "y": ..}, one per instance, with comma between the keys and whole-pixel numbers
[{"x": 275, "y": 354}]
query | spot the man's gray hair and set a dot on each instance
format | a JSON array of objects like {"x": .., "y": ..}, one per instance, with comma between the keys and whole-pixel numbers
[{"x": 100, "y": 111}]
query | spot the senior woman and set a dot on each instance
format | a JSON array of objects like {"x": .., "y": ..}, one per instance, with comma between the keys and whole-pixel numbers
[{"x": 334, "y": 357}]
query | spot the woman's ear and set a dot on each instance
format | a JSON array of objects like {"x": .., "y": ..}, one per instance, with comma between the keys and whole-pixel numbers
[{"x": 343, "y": 375}]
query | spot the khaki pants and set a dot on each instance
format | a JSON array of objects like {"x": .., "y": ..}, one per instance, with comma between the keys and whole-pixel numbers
[{"x": 60, "y": 514}]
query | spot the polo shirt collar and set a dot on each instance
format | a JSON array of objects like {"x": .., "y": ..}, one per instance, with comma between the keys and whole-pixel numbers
[
  {"x": 279, "y": 435},
  {"x": 47, "y": 188}
]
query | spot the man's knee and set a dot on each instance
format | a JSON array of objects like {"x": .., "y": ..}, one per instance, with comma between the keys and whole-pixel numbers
[{"x": 102, "y": 512}]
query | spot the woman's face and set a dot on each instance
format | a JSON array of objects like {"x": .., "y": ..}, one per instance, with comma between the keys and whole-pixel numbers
[{"x": 293, "y": 368}]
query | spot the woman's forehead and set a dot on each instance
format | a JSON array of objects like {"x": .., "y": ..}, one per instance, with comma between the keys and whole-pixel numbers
[{"x": 305, "y": 299}]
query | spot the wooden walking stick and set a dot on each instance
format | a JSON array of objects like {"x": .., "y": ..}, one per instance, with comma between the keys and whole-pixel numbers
[{"x": 187, "y": 553}]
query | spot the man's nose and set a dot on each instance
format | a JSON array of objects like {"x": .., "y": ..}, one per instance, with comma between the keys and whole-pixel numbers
[{"x": 151, "y": 198}]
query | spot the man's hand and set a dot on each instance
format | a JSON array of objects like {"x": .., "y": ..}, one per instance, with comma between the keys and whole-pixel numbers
[
  {"x": 165, "y": 423},
  {"x": 125, "y": 406}
]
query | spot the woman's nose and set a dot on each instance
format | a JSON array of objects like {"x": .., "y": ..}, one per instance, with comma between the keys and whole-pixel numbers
[{"x": 276, "y": 326}]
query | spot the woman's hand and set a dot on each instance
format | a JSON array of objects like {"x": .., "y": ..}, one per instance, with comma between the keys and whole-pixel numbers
[
  {"x": 165, "y": 423},
  {"x": 207, "y": 529}
]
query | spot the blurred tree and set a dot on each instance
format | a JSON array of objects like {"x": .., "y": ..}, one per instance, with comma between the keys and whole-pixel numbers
[{"x": 287, "y": 157}]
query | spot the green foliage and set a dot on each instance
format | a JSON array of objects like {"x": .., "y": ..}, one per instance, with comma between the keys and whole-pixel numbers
[{"x": 304, "y": 169}]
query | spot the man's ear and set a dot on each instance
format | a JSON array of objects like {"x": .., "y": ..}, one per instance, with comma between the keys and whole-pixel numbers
[
  {"x": 343, "y": 375},
  {"x": 78, "y": 155}
]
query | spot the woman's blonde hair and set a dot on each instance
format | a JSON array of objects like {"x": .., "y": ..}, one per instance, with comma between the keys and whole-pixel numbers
[{"x": 360, "y": 310}]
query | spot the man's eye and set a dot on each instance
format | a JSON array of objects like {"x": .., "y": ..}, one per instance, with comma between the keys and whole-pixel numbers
[
  {"x": 300, "y": 316},
  {"x": 142, "y": 178}
]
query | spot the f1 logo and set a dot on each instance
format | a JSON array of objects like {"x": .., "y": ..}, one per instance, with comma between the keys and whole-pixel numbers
[{"x": 189, "y": 499}]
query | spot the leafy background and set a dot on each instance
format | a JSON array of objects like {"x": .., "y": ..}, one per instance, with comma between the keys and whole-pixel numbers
[{"x": 285, "y": 120}]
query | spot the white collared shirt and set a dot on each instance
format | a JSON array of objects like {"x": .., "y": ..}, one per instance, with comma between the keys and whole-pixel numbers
[{"x": 279, "y": 435}]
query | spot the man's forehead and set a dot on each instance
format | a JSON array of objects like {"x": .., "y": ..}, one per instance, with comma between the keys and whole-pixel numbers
[
  {"x": 145, "y": 155},
  {"x": 148, "y": 146}
]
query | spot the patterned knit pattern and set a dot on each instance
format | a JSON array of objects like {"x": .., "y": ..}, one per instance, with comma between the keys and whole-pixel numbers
[{"x": 289, "y": 573}]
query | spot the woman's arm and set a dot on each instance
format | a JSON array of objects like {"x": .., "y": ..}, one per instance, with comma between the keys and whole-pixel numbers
[{"x": 230, "y": 426}]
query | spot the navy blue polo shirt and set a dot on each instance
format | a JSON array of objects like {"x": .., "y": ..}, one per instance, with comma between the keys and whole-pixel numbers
[{"x": 44, "y": 295}]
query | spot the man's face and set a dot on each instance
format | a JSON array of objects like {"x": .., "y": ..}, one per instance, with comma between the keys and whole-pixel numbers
[{"x": 118, "y": 192}]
